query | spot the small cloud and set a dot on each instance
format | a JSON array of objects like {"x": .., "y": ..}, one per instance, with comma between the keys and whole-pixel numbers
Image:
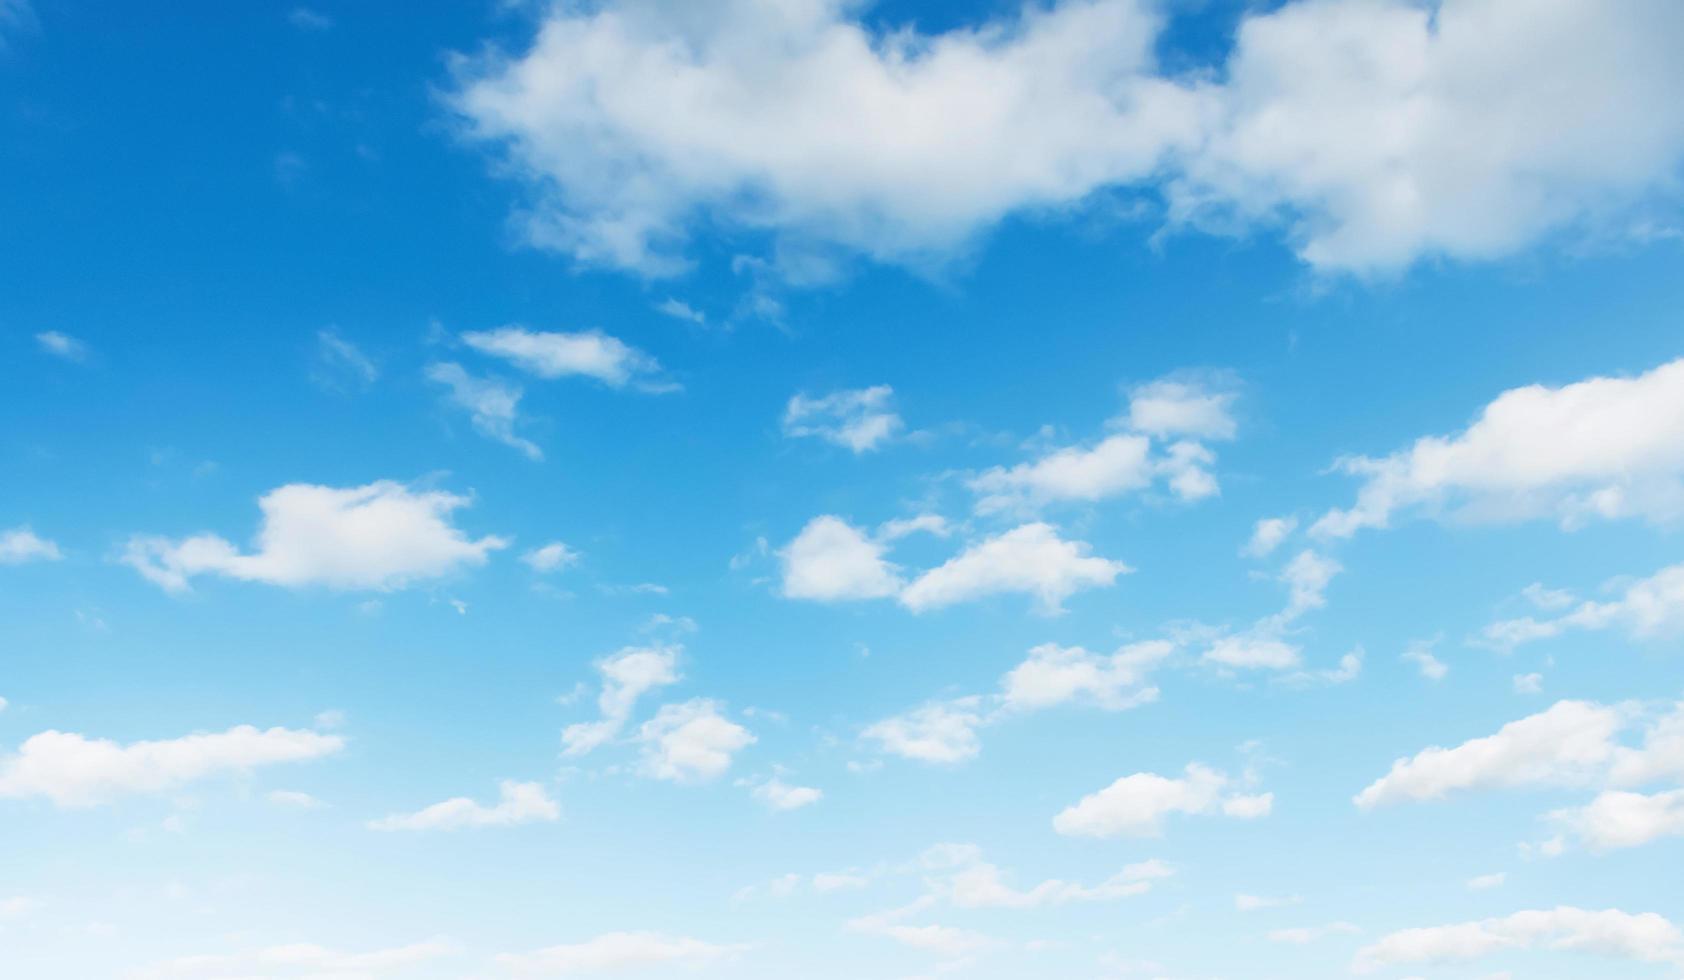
[
  {"x": 20, "y": 544},
  {"x": 295, "y": 800},
  {"x": 62, "y": 345},
  {"x": 340, "y": 364},
  {"x": 1528, "y": 683},
  {"x": 680, "y": 310},
  {"x": 1420, "y": 654},
  {"x": 551, "y": 557},
  {"x": 306, "y": 19}
]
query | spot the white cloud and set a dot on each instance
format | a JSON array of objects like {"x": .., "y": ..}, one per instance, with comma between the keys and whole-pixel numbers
[
  {"x": 551, "y": 557},
  {"x": 305, "y": 961},
  {"x": 1304, "y": 935},
  {"x": 1135, "y": 806},
  {"x": 1421, "y": 655},
  {"x": 295, "y": 799},
  {"x": 960, "y": 876},
  {"x": 1267, "y": 535},
  {"x": 1116, "y": 465},
  {"x": 690, "y": 742},
  {"x": 62, "y": 345},
  {"x": 618, "y": 952},
  {"x": 73, "y": 770},
  {"x": 20, "y": 544},
  {"x": 1619, "y": 819},
  {"x": 949, "y": 942},
  {"x": 1263, "y": 646},
  {"x": 1644, "y": 609},
  {"x": 830, "y": 559},
  {"x": 492, "y": 405},
  {"x": 680, "y": 310},
  {"x": 518, "y": 803},
  {"x": 1030, "y": 559},
  {"x": 383, "y": 535},
  {"x": 1053, "y": 675},
  {"x": 627, "y": 675},
  {"x": 1376, "y": 133},
  {"x": 341, "y": 364},
  {"x": 591, "y": 354},
  {"x": 779, "y": 795},
  {"x": 900, "y": 527},
  {"x": 1168, "y": 407},
  {"x": 860, "y": 419},
  {"x": 1607, "y": 447},
  {"x": 1528, "y": 683},
  {"x": 942, "y": 732},
  {"x": 1571, "y": 743},
  {"x": 1646, "y": 937}
]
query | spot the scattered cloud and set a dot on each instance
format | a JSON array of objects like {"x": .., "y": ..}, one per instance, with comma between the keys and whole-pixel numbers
[
  {"x": 379, "y": 536},
  {"x": 518, "y": 803},
  {"x": 680, "y": 310},
  {"x": 1644, "y": 937},
  {"x": 20, "y": 544},
  {"x": 618, "y": 952},
  {"x": 691, "y": 742},
  {"x": 493, "y": 405},
  {"x": 1031, "y": 559},
  {"x": 831, "y": 560},
  {"x": 305, "y": 961},
  {"x": 341, "y": 364},
  {"x": 779, "y": 795},
  {"x": 1267, "y": 535},
  {"x": 62, "y": 345},
  {"x": 941, "y": 731},
  {"x": 627, "y": 675},
  {"x": 591, "y": 354},
  {"x": 1642, "y": 609},
  {"x": 860, "y": 419},
  {"x": 306, "y": 19},
  {"x": 551, "y": 557}
]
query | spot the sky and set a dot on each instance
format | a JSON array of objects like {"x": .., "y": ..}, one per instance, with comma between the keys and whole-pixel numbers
[{"x": 1094, "y": 489}]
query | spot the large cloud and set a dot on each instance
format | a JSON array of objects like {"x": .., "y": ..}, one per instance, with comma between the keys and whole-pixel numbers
[
  {"x": 1374, "y": 132},
  {"x": 1606, "y": 447},
  {"x": 382, "y": 535}
]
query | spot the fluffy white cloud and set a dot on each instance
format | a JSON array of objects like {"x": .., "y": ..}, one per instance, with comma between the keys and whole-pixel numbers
[
  {"x": 1135, "y": 806},
  {"x": 617, "y": 952},
  {"x": 1377, "y": 132},
  {"x": 591, "y": 354},
  {"x": 860, "y": 419},
  {"x": 779, "y": 795},
  {"x": 1030, "y": 559},
  {"x": 382, "y": 535},
  {"x": 60, "y": 344},
  {"x": 831, "y": 559},
  {"x": 1617, "y": 819},
  {"x": 305, "y": 961},
  {"x": 1168, "y": 407},
  {"x": 627, "y": 675},
  {"x": 492, "y": 405},
  {"x": 1569, "y": 743},
  {"x": 1644, "y": 609},
  {"x": 1646, "y": 937},
  {"x": 942, "y": 731},
  {"x": 690, "y": 742},
  {"x": 73, "y": 770},
  {"x": 1116, "y": 465},
  {"x": 1263, "y": 646},
  {"x": 1053, "y": 675},
  {"x": 1607, "y": 447},
  {"x": 1421, "y": 655},
  {"x": 549, "y": 558},
  {"x": 20, "y": 544},
  {"x": 517, "y": 803}
]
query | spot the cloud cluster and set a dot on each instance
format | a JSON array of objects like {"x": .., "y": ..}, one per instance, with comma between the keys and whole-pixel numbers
[{"x": 1374, "y": 134}]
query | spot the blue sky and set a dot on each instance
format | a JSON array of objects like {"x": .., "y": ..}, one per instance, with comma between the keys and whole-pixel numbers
[{"x": 802, "y": 488}]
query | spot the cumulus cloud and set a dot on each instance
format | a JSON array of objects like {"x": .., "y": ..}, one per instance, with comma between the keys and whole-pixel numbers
[
  {"x": 627, "y": 675},
  {"x": 379, "y": 536},
  {"x": 518, "y": 803},
  {"x": 957, "y": 873},
  {"x": 1136, "y": 805},
  {"x": 1572, "y": 743},
  {"x": 492, "y": 405},
  {"x": 1053, "y": 675},
  {"x": 1030, "y": 559},
  {"x": 859, "y": 419},
  {"x": 73, "y": 770},
  {"x": 20, "y": 544},
  {"x": 831, "y": 559},
  {"x": 618, "y": 952},
  {"x": 591, "y": 354},
  {"x": 1645, "y": 937},
  {"x": 690, "y": 742},
  {"x": 1643, "y": 609},
  {"x": 305, "y": 961},
  {"x": 1171, "y": 407},
  {"x": 1267, "y": 534},
  {"x": 941, "y": 731},
  {"x": 1618, "y": 819},
  {"x": 1603, "y": 448},
  {"x": 1373, "y": 134}
]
